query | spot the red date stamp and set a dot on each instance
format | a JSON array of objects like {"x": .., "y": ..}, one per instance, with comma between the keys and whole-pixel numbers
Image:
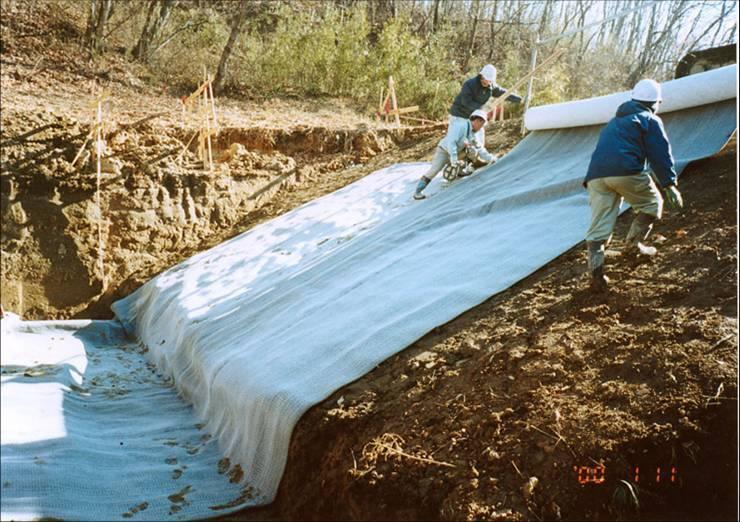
[{"x": 637, "y": 474}]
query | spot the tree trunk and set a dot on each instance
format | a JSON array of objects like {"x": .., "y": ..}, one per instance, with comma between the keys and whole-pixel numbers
[
  {"x": 100, "y": 12},
  {"x": 92, "y": 19},
  {"x": 494, "y": 13},
  {"x": 236, "y": 28},
  {"x": 152, "y": 27},
  {"x": 475, "y": 11}
]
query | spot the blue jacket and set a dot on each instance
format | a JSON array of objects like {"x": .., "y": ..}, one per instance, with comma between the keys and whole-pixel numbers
[
  {"x": 473, "y": 96},
  {"x": 635, "y": 135},
  {"x": 459, "y": 133}
]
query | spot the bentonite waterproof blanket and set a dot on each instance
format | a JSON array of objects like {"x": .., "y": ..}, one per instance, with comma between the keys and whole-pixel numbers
[{"x": 256, "y": 330}]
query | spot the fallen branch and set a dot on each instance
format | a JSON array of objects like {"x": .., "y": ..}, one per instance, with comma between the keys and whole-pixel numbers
[
  {"x": 546, "y": 434},
  {"x": 413, "y": 457},
  {"x": 715, "y": 397},
  {"x": 391, "y": 443},
  {"x": 423, "y": 120},
  {"x": 721, "y": 341},
  {"x": 25, "y": 135},
  {"x": 142, "y": 120},
  {"x": 79, "y": 152}
]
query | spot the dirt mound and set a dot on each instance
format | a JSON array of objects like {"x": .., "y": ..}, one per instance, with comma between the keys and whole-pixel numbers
[{"x": 539, "y": 403}]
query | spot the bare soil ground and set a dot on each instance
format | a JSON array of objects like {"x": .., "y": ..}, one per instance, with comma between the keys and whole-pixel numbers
[{"x": 541, "y": 403}]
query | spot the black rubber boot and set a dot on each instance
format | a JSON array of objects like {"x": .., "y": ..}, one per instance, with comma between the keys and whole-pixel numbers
[
  {"x": 638, "y": 232},
  {"x": 599, "y": 282}
]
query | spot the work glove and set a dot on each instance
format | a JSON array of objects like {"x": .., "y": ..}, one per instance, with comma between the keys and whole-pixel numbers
[{"x": 673, "y": 197}]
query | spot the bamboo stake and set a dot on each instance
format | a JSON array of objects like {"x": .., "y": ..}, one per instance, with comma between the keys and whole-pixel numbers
[
  {"x": 185, "y": 147},
  {"x": 501, "y": 99},
  {"x": 195, "y": 95},
  {"x": 79, "y": 152}
]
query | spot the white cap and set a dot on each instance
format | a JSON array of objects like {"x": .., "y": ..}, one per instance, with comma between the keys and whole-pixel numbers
[
  {"x": 647, "y": 91},
  {"x": 489, "y": 73},
  {"x": 479, "y": 113}
]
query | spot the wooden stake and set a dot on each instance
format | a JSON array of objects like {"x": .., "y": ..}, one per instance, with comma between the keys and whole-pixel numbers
[
  {"x": 99, "y": 151},
  {"x": 500, "y": 100},
  {"x": 213, "y": 103},
  {"x": 207, "y": 129},
  {"x": 380, "y": 103},
  {"x": 392, "y": 89},
  {"x": 404, "y": 110},
  {"x": 423, "y": 120}
]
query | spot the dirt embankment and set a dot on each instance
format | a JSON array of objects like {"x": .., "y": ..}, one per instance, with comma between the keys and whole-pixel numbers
[
  {"x": 64, "y": 256},
  {"x": 539, "y": 403}
]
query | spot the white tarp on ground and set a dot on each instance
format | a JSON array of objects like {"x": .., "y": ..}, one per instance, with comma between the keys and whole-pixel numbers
[
  {"x": 91, "y": 430},
  {"x": 258, "y": 329}
]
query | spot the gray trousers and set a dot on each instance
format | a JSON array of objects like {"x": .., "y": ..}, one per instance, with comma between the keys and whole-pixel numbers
[
  {"x": 605, "y": 196},
  {"x": 440, "y": 160}
]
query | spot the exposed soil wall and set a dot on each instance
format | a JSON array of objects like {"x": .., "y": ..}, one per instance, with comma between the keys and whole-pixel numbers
[{"x": 157, "y": 203}]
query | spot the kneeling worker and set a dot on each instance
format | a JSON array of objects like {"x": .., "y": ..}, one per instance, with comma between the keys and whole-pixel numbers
[
  {"x": 460, "y": 138},
  {"x": 617, "y": 171}
]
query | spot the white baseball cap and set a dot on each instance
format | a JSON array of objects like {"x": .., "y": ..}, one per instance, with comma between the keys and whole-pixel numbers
[
  {"x": 647, "y": 91},
  {"x": 489, "y": 73},
  {"x": 479, "y": 113}
]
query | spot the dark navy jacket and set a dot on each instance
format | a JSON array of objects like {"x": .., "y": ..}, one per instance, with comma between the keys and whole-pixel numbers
[
  {"x": 630, "y": 138},
  {"x": 473, "y": 96}
]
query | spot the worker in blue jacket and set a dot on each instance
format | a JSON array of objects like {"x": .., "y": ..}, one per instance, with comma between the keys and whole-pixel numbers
[
  {"x": 473, "y": 95},
  {"x": 634, "y": 138}
]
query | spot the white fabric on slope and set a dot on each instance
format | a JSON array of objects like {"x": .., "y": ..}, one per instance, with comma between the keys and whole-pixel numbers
[{"x": 258, "y": 329}]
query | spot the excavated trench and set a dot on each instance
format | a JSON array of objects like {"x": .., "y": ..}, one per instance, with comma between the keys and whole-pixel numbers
[{"x": 158, "y": 205}]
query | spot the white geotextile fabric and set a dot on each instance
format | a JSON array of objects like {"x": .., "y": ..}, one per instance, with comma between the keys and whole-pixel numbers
[
  {"x": 92, "y": 431},
  {"x": 260, "y": 328},
  {"x": 690, "y": 91}
]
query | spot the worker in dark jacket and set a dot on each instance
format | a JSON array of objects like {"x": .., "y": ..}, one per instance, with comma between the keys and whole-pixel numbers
[
  {"x": 474, "y": 94},
  {"x": 618, "y": 171}
]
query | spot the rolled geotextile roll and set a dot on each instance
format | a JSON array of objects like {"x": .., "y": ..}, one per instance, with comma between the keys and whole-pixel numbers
[{"x": 690, "y": 91}]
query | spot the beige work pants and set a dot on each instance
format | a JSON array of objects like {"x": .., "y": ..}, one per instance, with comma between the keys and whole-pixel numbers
[{"x": 605, "y": 196}]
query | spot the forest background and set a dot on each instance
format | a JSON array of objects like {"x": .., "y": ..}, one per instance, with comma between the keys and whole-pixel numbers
[{"x": 348, "y": 48}]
